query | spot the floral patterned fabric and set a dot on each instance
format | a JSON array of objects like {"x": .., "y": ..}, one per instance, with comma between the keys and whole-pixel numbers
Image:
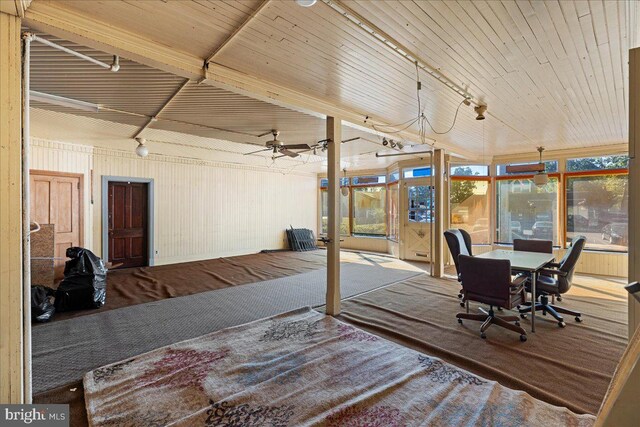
[{"x": 303, "y": 368}]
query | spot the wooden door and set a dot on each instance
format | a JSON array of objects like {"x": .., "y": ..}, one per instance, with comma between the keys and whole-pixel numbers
[
  {"x": 56, "y": 198},
  {"x": 128, "y": 224}
]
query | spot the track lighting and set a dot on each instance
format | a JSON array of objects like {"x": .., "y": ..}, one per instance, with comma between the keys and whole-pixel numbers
[
  {"x": 393, "y": 144},
  {"x": 480, "y": 110},
  {"x": 400, "y": 145},
  {"x": 385, "y": 142},
  {"x": 141, "y": 149},
  {"x": 306, "y": 3}
]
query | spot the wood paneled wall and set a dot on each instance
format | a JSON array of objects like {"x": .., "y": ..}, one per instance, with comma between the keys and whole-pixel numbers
[
  {"x": 11, "y": 324},
  {"x": 203, "y": 209}
]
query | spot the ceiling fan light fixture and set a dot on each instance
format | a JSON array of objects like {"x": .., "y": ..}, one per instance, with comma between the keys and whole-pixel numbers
[{"x": 540, "y": 179}]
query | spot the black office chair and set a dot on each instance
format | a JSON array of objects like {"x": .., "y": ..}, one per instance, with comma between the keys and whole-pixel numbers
[
  {"x": 534, "y": 245},
  {"x": 488, "y": 281},
  {"x": 459, "y": 242},
  {"x": 540, "y": 246},
  {"x": 556, "y": 281}
]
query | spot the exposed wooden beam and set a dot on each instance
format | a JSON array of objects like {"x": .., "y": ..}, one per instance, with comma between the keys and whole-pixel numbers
[
  {"x": 162, "y": 108},
  {"x": 61, "y": 22},
  {"x": 235, "y": 32},
  {"x": 14, "y": 7}
]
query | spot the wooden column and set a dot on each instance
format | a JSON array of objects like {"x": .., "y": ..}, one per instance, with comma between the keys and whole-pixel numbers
[
  {"x": 334, "y": 135},
  {"x": 437, "y": 251},
  {"x": 11, "y": 302},
  {"x": 634, "y": 183}
]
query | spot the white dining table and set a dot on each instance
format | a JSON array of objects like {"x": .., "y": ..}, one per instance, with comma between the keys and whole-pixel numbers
[{"x": 522, "y": 261}]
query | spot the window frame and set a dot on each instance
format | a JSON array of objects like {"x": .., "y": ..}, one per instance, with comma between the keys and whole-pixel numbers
[
  {"x": 579, "y": 174},
  {"x": 352, "y": 209},
  {"x": 486, "y": 178},
  {"x": 559, "y": 196}
]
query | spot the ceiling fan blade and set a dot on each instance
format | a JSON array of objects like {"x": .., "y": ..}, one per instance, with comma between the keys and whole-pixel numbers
[
  {"x": 259, "y": 151},
  {"x": 297, "y": 147},
  {"x": 288, "y": 153}
]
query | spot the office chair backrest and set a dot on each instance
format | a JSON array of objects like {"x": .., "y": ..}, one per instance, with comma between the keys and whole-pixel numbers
[
  {"x": 486, "y": 280},
  {"x": 568, "y": 263},
  {"x": 541, "y": 246},
  {"x": 459, "y": 242}
]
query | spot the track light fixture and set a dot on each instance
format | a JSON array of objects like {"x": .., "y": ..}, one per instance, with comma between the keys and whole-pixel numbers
[
  {"x": 385, "y": 141},
  {"x": 480, "y": 110},
  {"x": 141, "y": 149},
  {"x": 393, "y": 144},
  {"x": 400, "y": 145}
]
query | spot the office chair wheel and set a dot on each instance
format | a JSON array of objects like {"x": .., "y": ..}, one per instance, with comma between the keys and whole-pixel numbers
[
  {"x": 562, "y": 324},
  {"x": 544, "y": 313},
  {"x": 578, "y": 319},
  {"x": 460, "y": 295},
  {"x": 499, "y": 308},
  {"x": 483, "y": 335},
  {"x": 559, "y": 298},
  {"x": 523, "y": 316},
  {"x": 460, "y": 321},
  {"x": 517, "y": 323},
  {"x": 461, "y": 304},
  {"x": 523, "y": 338}
]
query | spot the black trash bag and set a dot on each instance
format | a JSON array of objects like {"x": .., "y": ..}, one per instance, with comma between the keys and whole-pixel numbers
[
  {"x": 42, "y": 309},
  {"x": 85, "y": 281}
]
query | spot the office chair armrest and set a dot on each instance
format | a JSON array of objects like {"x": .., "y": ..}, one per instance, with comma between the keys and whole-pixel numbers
[
  {"x": 554, "y": 264},
  {"x": 553, "y": 272},
  {"x": 518, "y": 285}
]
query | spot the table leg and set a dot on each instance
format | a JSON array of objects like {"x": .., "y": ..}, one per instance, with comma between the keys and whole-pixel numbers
[{"x": 534, "y": 279}]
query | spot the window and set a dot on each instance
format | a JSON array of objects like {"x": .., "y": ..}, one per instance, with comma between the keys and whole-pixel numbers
[
  {"x": 597, "y": 208},
  {"x": 416, "y": 172},
  {"x": 467, "y": 170},
  {"x": 549, "y": 167},
  {"x": 369, "y": 210},
  {"x": 394, "y": 176},
  {"x": 526, "y": 211},
  {"x": 470, "y": 207},
  {"x": 598, "y": 163},
  {"x": 344, "y": 212},
  {"x": 394, "y": 212},
  {"x": 421, "y": 204},
  {"x": 369, "y": 180}
]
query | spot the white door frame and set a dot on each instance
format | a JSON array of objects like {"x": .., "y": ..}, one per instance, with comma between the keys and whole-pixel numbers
[{"x": 404, "y": 210}]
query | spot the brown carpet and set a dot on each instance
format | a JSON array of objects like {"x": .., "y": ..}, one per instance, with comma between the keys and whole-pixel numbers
[
  {"x": 131, "y": 286},
  {"x": 568, "y": 367}
]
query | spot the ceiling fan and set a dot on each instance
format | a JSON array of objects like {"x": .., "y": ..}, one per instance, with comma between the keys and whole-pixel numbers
[{"x": 279, "y": 147}]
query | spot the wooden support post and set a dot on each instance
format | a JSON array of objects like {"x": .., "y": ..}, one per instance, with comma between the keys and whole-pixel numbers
[
  {"x": 634, "y": 183},
  {"x": 437, "y": 252},
  {"x": 334, "y": 135},
  {"x": 11, "y": 292}
]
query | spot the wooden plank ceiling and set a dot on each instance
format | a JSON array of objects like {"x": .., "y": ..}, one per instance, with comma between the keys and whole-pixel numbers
[{"x": 553, "y": 73}]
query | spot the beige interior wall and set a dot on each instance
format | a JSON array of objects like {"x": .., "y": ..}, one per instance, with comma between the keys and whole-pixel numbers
[
  {"x": 203, "y": 209},
  {"x": 11, "y": 324}
]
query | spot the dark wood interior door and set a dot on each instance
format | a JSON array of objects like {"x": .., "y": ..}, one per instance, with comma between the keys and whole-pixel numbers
[{"x": 128, "y": 227}]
